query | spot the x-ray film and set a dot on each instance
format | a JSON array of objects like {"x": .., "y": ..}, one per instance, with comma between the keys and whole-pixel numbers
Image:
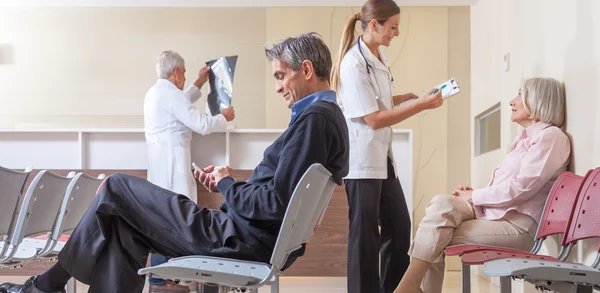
[{"x": 220, "y": 79}]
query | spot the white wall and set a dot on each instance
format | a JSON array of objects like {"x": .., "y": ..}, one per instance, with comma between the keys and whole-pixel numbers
[
  {"x": 87, "y": 67},
  {"x": 64, "y": 67},
  {"x": 555, "y": 38},
  {"x": 459, "y": 122},
  {"x": 220, "y": 3}
]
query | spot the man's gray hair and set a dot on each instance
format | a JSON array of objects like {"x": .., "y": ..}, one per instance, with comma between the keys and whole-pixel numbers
[
  {"x": 166, "y": 63},
  {"x": 294, "y": 50}
]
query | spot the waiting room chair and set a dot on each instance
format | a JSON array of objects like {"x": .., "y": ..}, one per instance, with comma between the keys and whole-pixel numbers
[
  {"x": 555, "y": 274},
  {"x": 303, "y": 215},
  {"x": 78, "y": 197},
  {"x": 37, "y": 215},
  {"x": 11, "y": 187},
  {"x": 555, "y": 218}
]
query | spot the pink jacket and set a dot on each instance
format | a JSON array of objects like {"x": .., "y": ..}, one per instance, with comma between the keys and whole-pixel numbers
[{"x": 524, "y": 178}]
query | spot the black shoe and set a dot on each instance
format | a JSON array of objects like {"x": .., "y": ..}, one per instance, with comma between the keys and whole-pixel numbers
[{"x": 28, "y": 287}]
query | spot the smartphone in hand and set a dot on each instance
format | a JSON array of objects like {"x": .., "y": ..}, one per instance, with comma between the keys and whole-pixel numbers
[{"x": 196, "y": 167}]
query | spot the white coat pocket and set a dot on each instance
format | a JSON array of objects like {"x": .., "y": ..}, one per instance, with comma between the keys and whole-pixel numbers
[{"x": 372, "y": 148}]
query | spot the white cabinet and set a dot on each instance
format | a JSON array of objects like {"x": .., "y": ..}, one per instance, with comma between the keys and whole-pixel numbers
[{"x": 125, "y": 149}]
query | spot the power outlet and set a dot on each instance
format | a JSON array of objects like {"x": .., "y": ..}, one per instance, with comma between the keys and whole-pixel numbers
[{"x": 507, "y": 61}]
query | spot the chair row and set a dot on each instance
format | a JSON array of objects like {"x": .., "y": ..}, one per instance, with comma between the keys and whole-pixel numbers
[
  {"x": 54, "y": 204},
  {"x": 572, "y": 210},
  {"x": 33, "y": 222}
]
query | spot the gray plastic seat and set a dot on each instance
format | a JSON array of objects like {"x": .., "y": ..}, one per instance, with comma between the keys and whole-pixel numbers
[
  {"x": 77, "y": 199},
  {"x": 37, "y": 215},
  {"x": 303, "y": 215},
  {"x": 11, "y": 188}
]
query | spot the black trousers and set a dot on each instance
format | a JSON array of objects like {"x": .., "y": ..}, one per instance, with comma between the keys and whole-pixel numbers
[
  {"x": 373, "y": 203},
  {"x": 131, "y": 217}
]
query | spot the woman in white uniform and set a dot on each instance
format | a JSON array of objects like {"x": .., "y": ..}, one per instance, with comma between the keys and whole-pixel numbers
[{"x": 364, "y": 84}]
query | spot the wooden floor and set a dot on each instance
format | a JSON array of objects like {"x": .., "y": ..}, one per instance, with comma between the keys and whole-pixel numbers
[{"x": 479, "y": 283}]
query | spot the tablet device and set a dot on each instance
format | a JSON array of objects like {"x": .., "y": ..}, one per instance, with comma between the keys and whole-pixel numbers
[{"x": 449, "y": 88}]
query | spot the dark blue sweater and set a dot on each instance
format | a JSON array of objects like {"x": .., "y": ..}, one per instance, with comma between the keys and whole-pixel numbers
[{"x": 316, "y": 135}]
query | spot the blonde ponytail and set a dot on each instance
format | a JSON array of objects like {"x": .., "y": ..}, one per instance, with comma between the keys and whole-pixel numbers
[
  {"x": 347, "y": 41},
  {"x": 380, "y": 10}
]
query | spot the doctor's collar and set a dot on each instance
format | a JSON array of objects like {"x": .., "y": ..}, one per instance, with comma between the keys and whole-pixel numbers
[
  {"x": 370, "y": 59},
  {"x": 366, "y": 52}
]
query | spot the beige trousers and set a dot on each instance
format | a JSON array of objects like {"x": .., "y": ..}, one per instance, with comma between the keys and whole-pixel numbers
[{"x": 450, "y": 221}]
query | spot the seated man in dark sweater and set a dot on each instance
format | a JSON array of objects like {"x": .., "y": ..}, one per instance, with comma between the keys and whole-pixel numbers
[{"x": 131, "y": 217}]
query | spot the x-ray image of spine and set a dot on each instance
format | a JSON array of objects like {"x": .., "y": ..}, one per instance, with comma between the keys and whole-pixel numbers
[{"x": 220, "y": 79}]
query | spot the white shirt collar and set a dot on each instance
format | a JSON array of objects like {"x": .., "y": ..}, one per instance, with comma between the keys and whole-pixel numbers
[
  {"x": 369, "y": 55},
  {"x": 166, "y": 82}
]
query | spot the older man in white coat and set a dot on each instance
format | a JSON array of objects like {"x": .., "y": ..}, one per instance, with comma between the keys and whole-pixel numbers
[{"x": 169, "y": 118}]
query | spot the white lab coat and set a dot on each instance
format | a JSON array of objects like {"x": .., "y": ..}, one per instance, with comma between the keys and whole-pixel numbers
[
  {"x": 169, "y": 119},
  {"x": 359, "y": 94}
]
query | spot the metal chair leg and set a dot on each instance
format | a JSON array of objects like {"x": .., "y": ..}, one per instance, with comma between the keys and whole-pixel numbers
[
  {"x": 505, "y": 284},
  {"x": 275, "y": 285},
  {"x": 72, "y": 286},
  {"x": 466, "y": 278}
]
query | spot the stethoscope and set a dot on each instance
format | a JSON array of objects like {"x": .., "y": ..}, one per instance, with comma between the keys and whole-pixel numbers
[{"x": 369, "y": 67}]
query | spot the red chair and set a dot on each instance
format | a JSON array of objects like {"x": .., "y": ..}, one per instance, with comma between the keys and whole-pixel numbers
[
  {"x": 555, "y": 218},
  {"x": 558, "y": 275}
]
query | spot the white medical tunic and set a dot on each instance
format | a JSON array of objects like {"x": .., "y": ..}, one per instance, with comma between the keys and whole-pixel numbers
[
  {"x": 169, "y": 119},
  {"x": 361, "y": 93}
]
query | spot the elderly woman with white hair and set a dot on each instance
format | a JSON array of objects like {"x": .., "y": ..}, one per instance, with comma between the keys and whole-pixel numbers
[{"x": 506, "y": 212}]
